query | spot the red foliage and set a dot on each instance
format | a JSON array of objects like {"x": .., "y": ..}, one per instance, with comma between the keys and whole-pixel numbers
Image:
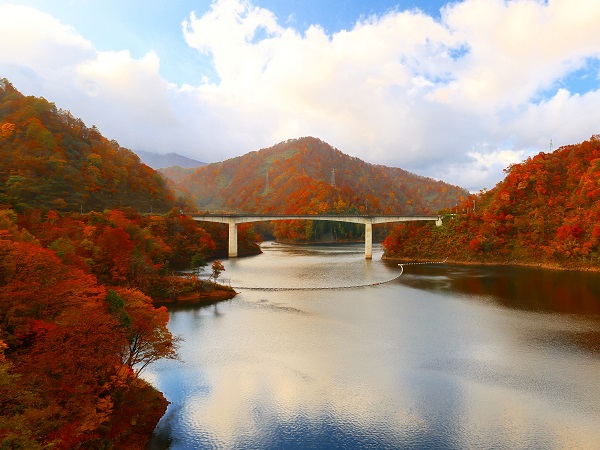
[
  {"x": 62, "y": 349},
  {"x": 544, "y": 212},
  {"x": 308, "y": 176},
  {"x": 52, "y": 160}
]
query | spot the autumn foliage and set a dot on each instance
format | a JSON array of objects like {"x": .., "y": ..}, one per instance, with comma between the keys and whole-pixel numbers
[
  {"x": 78, "y": 282},
  {"x": 545, "y": 212},
  {"x": 61, "y": 379},
  {"x": 78, "y": 325},
  {"x": 308, "y": 176},
  {"x": 52, "y": 160}
]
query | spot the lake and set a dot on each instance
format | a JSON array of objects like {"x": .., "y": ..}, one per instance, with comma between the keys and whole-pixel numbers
[{"x": 443, "y": 356}]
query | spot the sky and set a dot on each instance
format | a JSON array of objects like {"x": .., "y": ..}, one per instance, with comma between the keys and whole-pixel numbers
[{"x": 455, "y": 91}]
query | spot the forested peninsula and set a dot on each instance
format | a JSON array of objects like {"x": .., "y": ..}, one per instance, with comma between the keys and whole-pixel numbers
[{"x": 546, "y": 213}]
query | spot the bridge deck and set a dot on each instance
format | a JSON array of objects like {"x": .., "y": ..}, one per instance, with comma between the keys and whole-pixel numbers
[
  {"x": 367, "y": 220},
  {"x": 364, "y": 219}
]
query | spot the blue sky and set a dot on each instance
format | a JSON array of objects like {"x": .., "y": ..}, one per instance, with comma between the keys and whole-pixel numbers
[
  {"x": 452, "y": 90},
  {"x": 142, "y": 26}
]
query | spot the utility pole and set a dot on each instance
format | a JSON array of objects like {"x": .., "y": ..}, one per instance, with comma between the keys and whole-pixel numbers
[{"x": 333, "y": 177}]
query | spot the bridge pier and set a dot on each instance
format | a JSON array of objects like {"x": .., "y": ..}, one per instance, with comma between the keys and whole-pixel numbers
[
  {"x": 233, "y": 244},
  {"x": 233, "y": 219},
  {"x": 368, "y": 240}
]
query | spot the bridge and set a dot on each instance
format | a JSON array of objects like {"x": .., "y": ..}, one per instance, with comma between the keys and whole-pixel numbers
[{"x": 368, "y": 221}]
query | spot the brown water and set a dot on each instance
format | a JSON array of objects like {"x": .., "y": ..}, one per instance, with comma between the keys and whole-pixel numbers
[{"x": 442, "y": 357}]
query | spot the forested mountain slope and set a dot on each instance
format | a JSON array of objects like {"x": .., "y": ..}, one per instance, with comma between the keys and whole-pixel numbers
[
  {"x": 308, "y": 176},
  {"x": 546, "y": 211},
  {"x": 77, "y": 319},
  {"x": 49, "y": 159}
]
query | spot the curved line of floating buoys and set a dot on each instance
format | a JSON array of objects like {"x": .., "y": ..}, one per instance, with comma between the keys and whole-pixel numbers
[{"x": 357, "y": 286}]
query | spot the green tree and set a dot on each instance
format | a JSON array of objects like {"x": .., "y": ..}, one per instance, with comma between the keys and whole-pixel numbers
[{"x": 198, "y": 263}]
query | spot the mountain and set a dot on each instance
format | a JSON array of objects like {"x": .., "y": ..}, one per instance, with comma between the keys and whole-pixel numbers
[
  {"x": 52, "y": 160},
  {"x": 158, "y": 161},
  {"x": 308, "y": 176},
  {"x": 546, "y": 211}
]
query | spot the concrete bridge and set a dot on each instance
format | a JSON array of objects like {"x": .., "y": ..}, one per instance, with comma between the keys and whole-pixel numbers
[{"x": 368, "y": 221}]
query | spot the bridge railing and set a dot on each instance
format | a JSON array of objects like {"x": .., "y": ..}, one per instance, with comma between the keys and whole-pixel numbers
[{"x": 416, "y": 216}]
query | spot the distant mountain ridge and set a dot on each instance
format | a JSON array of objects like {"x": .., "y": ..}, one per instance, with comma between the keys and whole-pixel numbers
[{"x": 160, "y": 161}]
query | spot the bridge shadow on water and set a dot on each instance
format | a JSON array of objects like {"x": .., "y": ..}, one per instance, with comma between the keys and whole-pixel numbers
[{"x": 315, "y": 249}]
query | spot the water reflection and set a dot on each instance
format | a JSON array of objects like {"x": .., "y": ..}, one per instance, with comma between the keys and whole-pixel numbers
[
  {"x": 530, "y": 289},
  {"x": 444, "y": 357}
]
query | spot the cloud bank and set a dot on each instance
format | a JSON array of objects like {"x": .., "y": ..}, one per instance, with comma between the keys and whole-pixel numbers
[{"x": 456, "y": 98}]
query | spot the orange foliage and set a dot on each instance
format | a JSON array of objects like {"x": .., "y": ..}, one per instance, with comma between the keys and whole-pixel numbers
[
  {"x": 308, "y": 176},
  {"x": 148, "y": 338},
  {"x": 50, "y": 159},
  {"x": 545, "y": 211},
  {"x": 68, "y": 355}
]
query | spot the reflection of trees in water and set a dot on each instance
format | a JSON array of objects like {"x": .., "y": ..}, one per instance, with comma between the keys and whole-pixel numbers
[
  {"x": 163, "y": 436},
  {"x": 526, "y": 289},
  {"x": 587, "y": 340},
  {"x": 576, "y": 294}
]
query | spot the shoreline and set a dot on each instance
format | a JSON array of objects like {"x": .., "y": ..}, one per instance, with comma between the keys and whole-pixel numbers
[
  {"x": 544, "y": 266},
  {"x": 199, "y": 298},
  {"x": 157, "y": 402}
]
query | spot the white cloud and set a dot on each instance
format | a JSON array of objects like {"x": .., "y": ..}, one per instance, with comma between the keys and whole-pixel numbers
[
  {"x": 123, "y": 96},
  {"x": 455, "y": 98},
  {"x": 39, "y": 41},
  {"x": 482, "y": 166},
  {"x": 520, "y": 47}
]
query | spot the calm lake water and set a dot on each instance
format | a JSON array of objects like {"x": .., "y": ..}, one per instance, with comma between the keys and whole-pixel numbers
[{"x": 442, "y": 357}]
